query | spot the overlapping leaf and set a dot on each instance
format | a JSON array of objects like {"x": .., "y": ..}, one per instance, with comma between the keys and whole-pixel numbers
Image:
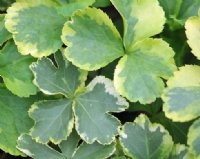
[
  {"x": 138, "y": 74},
  {"x": 193, "y": 34},
  {"x": 14, "y": 68},
  {"x": 93, "y": 48},
  {"x": 14, "y": 119},
  {"x": 142, "y": 19},
  {"x": 142, "y": 140},
  {"x": 178, "y": 11},
  {"x": 180, "y": 152},
  {"x": 93, "y": 121},
  {"x": 182, "y": 97},
  {"x": 35, "y": 34},
  {"x": 85, "y": 151},
  {"x": 4, "y": 34},
  {"x": 194, "y": 139}
]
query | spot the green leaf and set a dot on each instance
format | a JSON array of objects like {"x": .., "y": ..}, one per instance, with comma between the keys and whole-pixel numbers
[
  {"x": 92, "y": 111},
  {"x": 69, "y": 146},
  {"x": 194, "y": 139},
  {"x": 138, "y": 74},
  {"x": 64, "y": 79},
  {"x": 100, "y": 45},
  {"x": 177, "y": 130},
  {"x": 95, "y": 150},
  {"x": 14, "y": 68},
  {"x": 4, "y": 34},
  {"x": 180, "y": 152},
  {"x": 35, "y": 150},
  {"x": 67, "y": 10},
  {"x": 35, "y": 34},
  {"x": 14, "y": 120},
  {"x": 5, "y": 4},
  {"x": 101, "y": 3},
  {"x": 53, "y": 120},
  {"x": 142, "y": 19},
  {"x": 193, "y": 34},
  {"x": 142, "y": 140},
  {"x": 178, "y": 11},
  {"x": 182, "y": 97}
]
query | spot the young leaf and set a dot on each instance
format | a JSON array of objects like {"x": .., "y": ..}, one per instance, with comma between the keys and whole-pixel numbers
[
  {"x": 142, "y": 19},
  {"x": 138, "y": 74},
  {"x": 182, "y": 97},
  {"x": 14, "y": 120},
  {"x": 92, "y": 108},
  {"x": 95, "y": 150},
  {"x": 35, "y": 34},
  {"x": 64, "y": 79},
  {"x": 194, "y": 139},
  {"x": 4, "y": 34},
  {"x": 93, "y": 48},
  {"x": 142, "y": 140},
  {"x": 180, "y": 152},
  {"x": 35, "y": 150},
  {"x": 53, "y": 120},
  {"x": 14, "y": 68},
  {"x": 193, "y": 34}
]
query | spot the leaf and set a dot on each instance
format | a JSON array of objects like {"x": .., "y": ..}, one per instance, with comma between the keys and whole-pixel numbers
[
  {"x": 64, "y": 79},
  {"x": 5, "y": 4},
  {"x": 138, "y": 74},
  {"x": 182, "y": 96},
  {"x": 71, "y": 149},
  {"x": 192, "y": 27},
  {"x": 35, "y": 34},
  {"x": 67, "y": 10},
  {"x": 69, "y": 146},
  {"x": 142, "y": 19},
  {"x": 194, "y": 139},
  {"x": 14, "y": 120},
  {"x": 4, "y": 34},
  {"x": 14, "y": 68},
  {"x": 53, "y": 120},
  {"x": 35, "y": 150},
  {"x": 180, "y": 152},
  {"x": 95, "y": 150},
  {"x": 142, "y": 139},
  {"x": 177, "y": 130},
  {"x": 178, "y": 11},
  {"x": 100, "y": 45},
  {"x": 102, "y": 3},
  {"x": 92, "y": 112}
]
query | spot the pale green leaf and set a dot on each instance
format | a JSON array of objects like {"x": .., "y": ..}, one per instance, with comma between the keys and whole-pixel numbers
[
  {"x": 193, "y": 34},
  {"x": 180, "y": 152},
  {"x": 35, "y": 34},
  {"x": 94, "y": 151},
  {"x": 4, "y": 34},
  {"x": 14, "y": 120},
  {"x": 14, "y": 68},
  {"x": 142, "y": 140},
  {"x": 142, "y": 19},
  {"x": 53, "y": 120},
  {"x": 194, "y": 139},
  {"x": 69, "y": 146},
  {"x": 35, "y": 150},
  {"x": 138, "y": 74},
  {"x": 92, "y": 111},
  {"x": 92, "y": 39},
  {"x": 63, "y": 79},
  {"x": 182, "y": 97}
]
